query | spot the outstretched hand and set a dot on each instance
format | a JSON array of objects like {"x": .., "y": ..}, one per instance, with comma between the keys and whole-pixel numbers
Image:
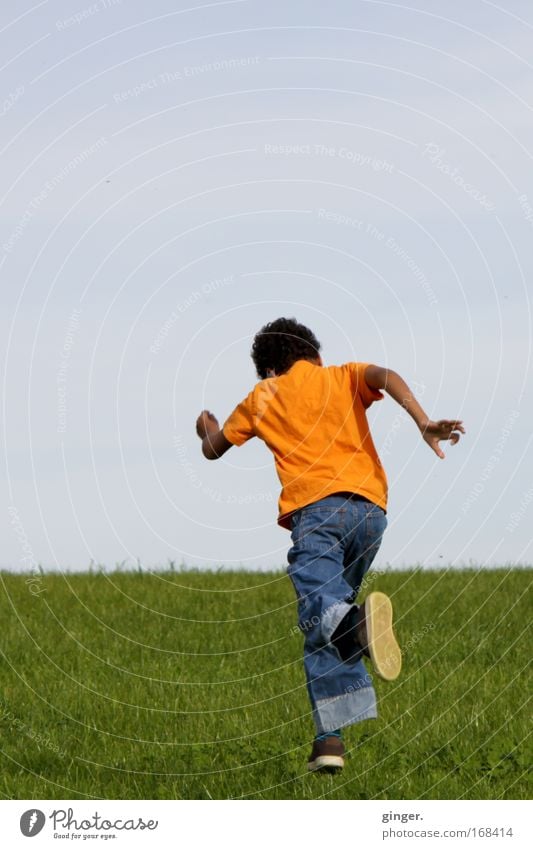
[{"x": 433, "y": 432}]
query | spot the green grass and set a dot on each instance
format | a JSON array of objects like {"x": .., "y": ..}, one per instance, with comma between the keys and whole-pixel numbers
[{"x": 189, "y": 685}]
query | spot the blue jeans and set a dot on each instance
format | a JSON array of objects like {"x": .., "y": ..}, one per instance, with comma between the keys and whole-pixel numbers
[{"x": 334, "y": 541}]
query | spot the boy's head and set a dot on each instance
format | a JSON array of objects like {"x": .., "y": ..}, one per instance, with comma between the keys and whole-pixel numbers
[{"x": 282, "y": 342}]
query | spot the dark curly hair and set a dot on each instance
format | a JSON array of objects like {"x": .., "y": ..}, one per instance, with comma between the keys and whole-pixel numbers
[{"x": 279, "y": 344}]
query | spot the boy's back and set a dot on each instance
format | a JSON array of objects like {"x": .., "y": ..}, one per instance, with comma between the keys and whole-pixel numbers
[{"x": 313, "y": 419}]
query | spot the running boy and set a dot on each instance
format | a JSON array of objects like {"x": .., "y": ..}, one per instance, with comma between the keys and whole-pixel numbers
[{"x": 334, "y": 501}]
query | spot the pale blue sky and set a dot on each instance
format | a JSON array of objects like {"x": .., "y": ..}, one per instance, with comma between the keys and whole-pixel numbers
[{"x": 171, "y": 180}]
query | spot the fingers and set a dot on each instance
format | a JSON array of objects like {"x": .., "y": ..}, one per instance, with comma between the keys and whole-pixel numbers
[
  {"x": 205, "y": 414},
  {"x": 433, "y": 443},
  {"x": 206, "y": 423},
  {"x": 449, "y": 429},
  {"x": 451, "y": 424},
  {"x": 452, "y": 438},
  {"x": 200, "y": 424}
]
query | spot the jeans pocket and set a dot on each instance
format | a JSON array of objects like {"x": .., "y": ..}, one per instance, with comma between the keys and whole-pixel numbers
[{"x": 318, "y": 530}]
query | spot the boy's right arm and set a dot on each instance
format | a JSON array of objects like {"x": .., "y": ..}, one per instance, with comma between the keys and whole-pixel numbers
[{"x": 432, "y": 432}]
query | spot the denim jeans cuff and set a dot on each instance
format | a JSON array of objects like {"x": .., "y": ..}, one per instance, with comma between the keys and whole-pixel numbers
[{"x": 347, "y": 709}]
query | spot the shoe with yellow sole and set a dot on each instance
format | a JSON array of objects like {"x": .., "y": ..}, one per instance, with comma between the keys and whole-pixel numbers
[{"x": 376, "y": 637}]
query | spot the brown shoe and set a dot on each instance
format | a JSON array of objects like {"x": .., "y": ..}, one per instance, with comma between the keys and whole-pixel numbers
[
  {"x": 327, "y": 755},
  {"x": 376, "y": 637}
]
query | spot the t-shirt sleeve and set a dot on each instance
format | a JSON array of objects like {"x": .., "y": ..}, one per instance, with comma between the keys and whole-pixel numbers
[
  {"x": 239, "y": 426},
  {"x": 361, "y": 387}
]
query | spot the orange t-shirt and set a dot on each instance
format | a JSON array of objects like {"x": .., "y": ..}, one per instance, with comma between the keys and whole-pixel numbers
[{"x": 313, "y": 419}]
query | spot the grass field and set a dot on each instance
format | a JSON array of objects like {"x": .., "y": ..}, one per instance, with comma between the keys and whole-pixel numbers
[{"x": 189, "y": 685}]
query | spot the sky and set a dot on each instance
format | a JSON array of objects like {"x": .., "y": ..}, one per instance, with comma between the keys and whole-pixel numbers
[{"x": 173, "y": 178}]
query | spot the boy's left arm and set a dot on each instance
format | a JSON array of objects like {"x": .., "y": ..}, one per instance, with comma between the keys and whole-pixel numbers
[
  {"x": 432, "y": 432},
  {"x": 214, "y": 443}
]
